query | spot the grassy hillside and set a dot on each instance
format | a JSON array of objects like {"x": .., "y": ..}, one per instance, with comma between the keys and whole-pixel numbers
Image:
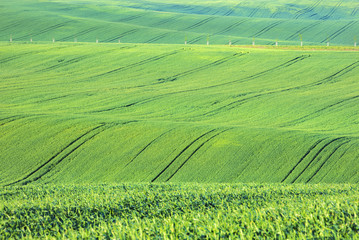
[
  {"x": 159, "y": 21},
  {"x": 88, "y": 113}
]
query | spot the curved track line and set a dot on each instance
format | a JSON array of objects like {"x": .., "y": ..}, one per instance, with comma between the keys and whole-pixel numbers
[
  {"x": 302, "y": 158},
  {"x": 178, "y": 155},
  {"x": 315, "y": 156},
  {"x": 209, "y": 139},
  {"x": 56, "y": 155},
  {"x": 325, "y": 161},
  {"x": 143, "y": 149}
]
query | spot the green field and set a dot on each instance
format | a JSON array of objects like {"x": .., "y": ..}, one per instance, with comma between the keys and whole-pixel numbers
[
  {"x": 151, "y": 138},
  {"x": 87, "y": 113},
  {"x": 158, "y": 21}
]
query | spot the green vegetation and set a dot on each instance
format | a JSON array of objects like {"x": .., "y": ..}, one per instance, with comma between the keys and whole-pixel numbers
[
  {"x": 159, "y": 21},
  {"x": 180, "y": 211},
  {"x": 88, "y": 113}
]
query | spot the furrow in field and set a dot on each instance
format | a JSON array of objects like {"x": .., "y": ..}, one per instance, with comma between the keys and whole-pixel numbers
[
  {"x": 196, "y": 150},
  {"x": 81, "y": 33},
  {"x": 303, "y": 30},
  {"x": 302, "y": 119},
  {"x": 157, "y": 38},
  {"x": 254, "y": 11},
  {"x": 326, "y": 160},
  {"x": 302, "y": 158},
  {"x": 257, "y": 75},
  {"x": 332, "y": 77},
  {"x": 63, "y": 64},
  {"x": 167, "y": 20},
  {"x": 117, "y": 37},
  {"x": 198, "y": 69},
  {"x": 332, "y": 11},
  {"x": 198, "y": 24},
  {"x": 140, "y": 63},
  {"x": 71, "y": 147},
  {"x": 336, "y": 162},
  {"x": 178, "y": 155},
  {"x": 307, "y": 10},
  {"x": 12, "y": 25},
  {"x": 45, "y": 30},
  {"x": 196, "y": 39},
  {"x": 130, "y": 18},
  {"x": 148, "y": 145},
  {"x": 8, "y": 120},
  {"x": 229, "y": 12},
  {"x": 267, "y": 28},
  {"x": 339, "y": 31},
  {"x": 315, "y": 156},
  {"x": 231, "y": 27},
  {"x": 355, "y": 11}
]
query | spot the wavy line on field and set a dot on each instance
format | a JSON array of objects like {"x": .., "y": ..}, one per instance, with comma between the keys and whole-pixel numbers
[
  {"x": 307, "y": 10},
  {"x": 168, "y": 20},
  {"x": 14, "y": 57},
  {"x": 302, "y": 158},
  {"x": 140, "y": 63},
  {"x": 198, "y": 69},
  {"x": 11, "y": 25},
  {"x": 335, "y": 163},
  {"x": 339, "y": 31},
  {"x": 231, "y": 27},
  {"x": 63, "y": 64},
  {"x": 326, "y": 160},
  {"x": 196, "y": 39},
  {"x": 8, "y": 120},
  {"x": 45, "y": 30},
  {"x": 267, "y": 28},
  {"x": 126, "y": 33},
  {"x": 179, "y": 154},
  {"x": 26, "y": 179},
  {"x": 254, "y": 11},
  {"x": 336, "y": 75},
  {"x": 196, "y": 150},
  {"x": 81, "y": 33},
  {"x": 355, "y": 11},
  {"x": 254, "y": 76},
  {"x": 130, "y": 18},
  {"x": 302, "y": 119},
  {"x": 303, "y": 30},
  {"x": 315, "y": 156},
  {"x": 148, "y": 145},
  {"x": 332, "y": 11},
  {"x": 159, "y": 37},
  {"x": 200, "y": 23}
]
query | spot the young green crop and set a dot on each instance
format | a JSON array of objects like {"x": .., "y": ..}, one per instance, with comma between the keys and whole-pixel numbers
[{"x": 180, "y": 211}]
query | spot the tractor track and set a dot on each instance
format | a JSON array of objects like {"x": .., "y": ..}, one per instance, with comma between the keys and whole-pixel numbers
[
  {"x": 63, "y": 64},
  {"x": 303, "y": 30},
  {"x": 198, "y": 69},
  {"x": 8, "y": 120},
  {"x": 159, "y": 37},
  {"x": 81, "y": 33},
  {"x": 68, "y": 146},
  {"x": 198, "y": 24},
  {"x": 302, "y": 119},
  {"x": 307, "y": 10},
  {"x": 45, "y": 30},
  {"x": 148, "y": 145},
  {"x": 196, "y": 150},
  {"x": 132, "y": 31},
  {"x": 130, "y": 18},
  {"x": 196, "y": 39},
  {"x": 336, "y": 75},
  {"x": 315, "y": 156},
  {"x": 168, "y": 20},
  {"x": 302, "y": 158},
  {"x": 140, "y": 63},
  {"x": 325, "y": 161},
  {"x": 179, "y": 154},
  {"x": 254, "y": 11},
  {"x": 332, "y": 11},
  {"x": 231, "y": 27},
  {"x": 267, "y": 28},
  {"x": 229, "y": 12},
  {"x": 339, "y": 31}
]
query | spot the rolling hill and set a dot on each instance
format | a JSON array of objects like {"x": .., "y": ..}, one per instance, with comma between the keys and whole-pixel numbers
[{"x": 104, "y": 113}]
